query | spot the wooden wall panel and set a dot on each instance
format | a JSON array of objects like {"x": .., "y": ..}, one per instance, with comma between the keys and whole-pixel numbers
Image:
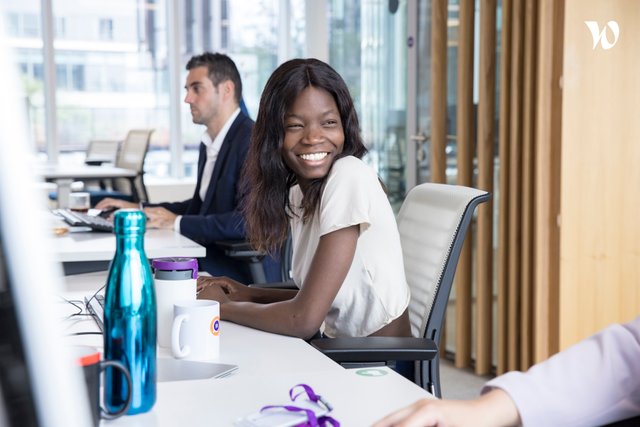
[
  {"x": 527, "y": 183},
  {"x": 600, "y": 201},
  {"x": 515, "y": 185},
  {"x": 465, "y": 156},
  {"x": 486, "y": 142},
  {"x": 502, "y": 269},
  {"x": 547, "y": 195}
]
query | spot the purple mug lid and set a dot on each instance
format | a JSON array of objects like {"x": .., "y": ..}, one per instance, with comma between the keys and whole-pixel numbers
[{"x": 176, "y": 263}]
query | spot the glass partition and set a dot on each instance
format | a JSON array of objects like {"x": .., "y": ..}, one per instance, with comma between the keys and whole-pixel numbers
[{"x": 367, "y": 46}]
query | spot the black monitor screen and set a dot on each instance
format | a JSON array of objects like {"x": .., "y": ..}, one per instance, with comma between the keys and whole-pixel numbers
[{"x": 17, "y": 407}]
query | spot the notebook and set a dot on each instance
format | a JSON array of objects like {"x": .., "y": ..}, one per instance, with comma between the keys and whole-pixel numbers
[
  {"x": 95, "y": 306},
  {"x": 169, "y": 369}
]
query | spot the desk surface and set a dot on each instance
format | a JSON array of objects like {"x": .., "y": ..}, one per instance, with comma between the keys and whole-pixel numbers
[
  {"x": 55, "y": 172},
  {"x": 269, "y": 365},
  {"x": 97, "y": 246}
]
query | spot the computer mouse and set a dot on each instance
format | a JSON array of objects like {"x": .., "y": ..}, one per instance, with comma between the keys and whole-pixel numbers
[{"x": 105, "y": 213}]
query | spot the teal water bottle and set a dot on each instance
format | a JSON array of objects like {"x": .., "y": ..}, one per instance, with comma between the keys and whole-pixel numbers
[{"x": 130, "y": 317}]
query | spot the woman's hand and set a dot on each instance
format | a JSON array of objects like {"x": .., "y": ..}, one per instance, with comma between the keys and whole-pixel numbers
[
  {"x": 495, "y": 409},
  {"x": 221, "y": 289}
]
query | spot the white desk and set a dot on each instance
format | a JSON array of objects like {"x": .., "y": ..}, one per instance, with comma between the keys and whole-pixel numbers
[
  {"x": 269, "y": 365},
  {"x": 96, "y": 246},
  {"x": 64, "y": 175}
]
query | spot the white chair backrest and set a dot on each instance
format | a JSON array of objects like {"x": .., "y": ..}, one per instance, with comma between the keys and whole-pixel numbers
[
  {"x": 102, "y": 150},
  {"x": 134, "y": 149},
  {"x": 428, "y": 222},
  {"x": 131, "y": 155}
]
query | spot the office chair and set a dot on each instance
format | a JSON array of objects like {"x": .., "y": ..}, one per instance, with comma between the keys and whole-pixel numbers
[
  {"x": 101, "y": 151},
  {"x": 131, "y": 155},
  {"x": 433, "y": 222},
  {"x": 242, "y": 250}
]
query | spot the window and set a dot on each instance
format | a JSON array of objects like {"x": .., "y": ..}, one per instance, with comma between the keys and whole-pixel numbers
[
  {"x": 105, "y": 31},
  {"x": 31, "y": 25},
  {"x": 60, "y": 27},
  {"x": 61, "y": 76},
  {"x": 77, "y": 77},
  {"x": 367, "y": 46},
  {"x": 38, "y": 72},
  {"x": 105, "y": 88},
  {"x": 12, "y": 24}
]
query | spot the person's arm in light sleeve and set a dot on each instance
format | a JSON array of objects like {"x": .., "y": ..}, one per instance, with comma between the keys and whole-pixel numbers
[{"x": 594, "y": 382}]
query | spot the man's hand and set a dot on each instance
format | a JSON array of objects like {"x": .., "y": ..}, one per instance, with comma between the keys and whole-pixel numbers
[
  {"x": 160, "y": 218},
  {"x": 108, "y": 202}
]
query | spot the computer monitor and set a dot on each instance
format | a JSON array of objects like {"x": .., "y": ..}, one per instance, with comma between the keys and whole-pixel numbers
[{"x": 39, "y": 383}]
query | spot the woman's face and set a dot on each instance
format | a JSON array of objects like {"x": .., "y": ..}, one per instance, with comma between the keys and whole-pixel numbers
[{"x": 313, "y": 135}]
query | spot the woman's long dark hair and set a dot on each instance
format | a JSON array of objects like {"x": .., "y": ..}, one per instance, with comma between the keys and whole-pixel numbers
[{"x": 266, "y": 176}]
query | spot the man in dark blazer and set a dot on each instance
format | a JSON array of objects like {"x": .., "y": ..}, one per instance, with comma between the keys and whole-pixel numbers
[{"x": 214, "y": 94}]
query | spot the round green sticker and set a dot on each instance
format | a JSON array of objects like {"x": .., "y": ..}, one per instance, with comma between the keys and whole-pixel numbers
[{"x": 371, "y": 372}]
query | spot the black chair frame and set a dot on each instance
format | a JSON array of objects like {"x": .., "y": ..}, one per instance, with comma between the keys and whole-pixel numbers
[{"x": 425, "y": 349}]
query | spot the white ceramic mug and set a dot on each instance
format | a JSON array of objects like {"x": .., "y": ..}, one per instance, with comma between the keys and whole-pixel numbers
[
  {"x": 195, "y": 334},
  {"x": 168, "y": 292}
]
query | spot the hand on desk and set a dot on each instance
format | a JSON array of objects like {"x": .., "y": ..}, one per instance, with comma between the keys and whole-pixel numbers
[
  {"x": 160, "y": 218},
  {"x": 494, "y": 408},
  {"x": 108, "y": 203},
  {"x": 221, "y": 289}
]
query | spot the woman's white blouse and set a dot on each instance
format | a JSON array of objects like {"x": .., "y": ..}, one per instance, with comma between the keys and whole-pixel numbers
[{"x": 375, "y": 291}]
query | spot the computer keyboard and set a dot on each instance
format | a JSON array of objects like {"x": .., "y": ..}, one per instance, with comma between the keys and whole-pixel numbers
[{"x": 96, "y": 223}]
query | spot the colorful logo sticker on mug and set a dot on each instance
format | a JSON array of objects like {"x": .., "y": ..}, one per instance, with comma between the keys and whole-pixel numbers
[{"x": 214, "y": 327}]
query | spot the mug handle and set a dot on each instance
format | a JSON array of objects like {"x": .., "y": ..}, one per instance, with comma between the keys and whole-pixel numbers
[
  {"x": 117, "y": 365},
  {"x": 178, "y": 353}
]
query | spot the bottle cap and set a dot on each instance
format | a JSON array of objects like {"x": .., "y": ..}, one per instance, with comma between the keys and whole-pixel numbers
[
  {"x": 187, "y": 266},
  {"x": 129, "y": 221}
]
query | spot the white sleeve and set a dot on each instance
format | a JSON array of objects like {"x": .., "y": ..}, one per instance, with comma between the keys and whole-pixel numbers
[
  {"x": 346, "y": 199},
  {"x": 594, "y": 382}
]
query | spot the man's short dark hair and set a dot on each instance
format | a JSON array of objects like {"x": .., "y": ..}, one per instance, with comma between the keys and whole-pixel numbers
[{"x": 220, "y": 67}]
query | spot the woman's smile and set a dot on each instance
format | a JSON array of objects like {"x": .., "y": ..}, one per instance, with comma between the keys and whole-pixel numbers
[{"x": 313, "y": 157}]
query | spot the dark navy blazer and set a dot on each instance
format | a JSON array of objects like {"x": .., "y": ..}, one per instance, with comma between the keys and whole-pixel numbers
[{"x": 218, "y": 217}]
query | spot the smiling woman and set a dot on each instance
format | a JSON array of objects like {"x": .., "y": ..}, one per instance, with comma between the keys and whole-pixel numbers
[
  {"x": 313, "y": 135},
  {"x": 304, "y": 173}
]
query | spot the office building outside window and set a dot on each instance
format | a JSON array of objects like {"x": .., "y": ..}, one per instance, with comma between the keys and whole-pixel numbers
[
  {"x": 105, "y": 30},
  {"x": 112, "y": 65}
]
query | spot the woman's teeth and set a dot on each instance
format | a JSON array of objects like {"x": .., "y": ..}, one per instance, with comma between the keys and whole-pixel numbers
[{"x": 313, "y": 156}]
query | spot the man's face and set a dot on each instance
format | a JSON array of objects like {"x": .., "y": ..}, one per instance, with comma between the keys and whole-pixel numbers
[{"x": 202, "y": 96}]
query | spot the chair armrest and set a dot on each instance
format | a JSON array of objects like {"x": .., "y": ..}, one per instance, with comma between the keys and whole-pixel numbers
[
  {"x": 243, "y": 251},
  {"x": 376, "y": 349},
  {"x": 239, "y": 249}
]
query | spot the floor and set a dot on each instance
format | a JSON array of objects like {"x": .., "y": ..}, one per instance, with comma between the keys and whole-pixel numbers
[{"x": 459, "y": 383}]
